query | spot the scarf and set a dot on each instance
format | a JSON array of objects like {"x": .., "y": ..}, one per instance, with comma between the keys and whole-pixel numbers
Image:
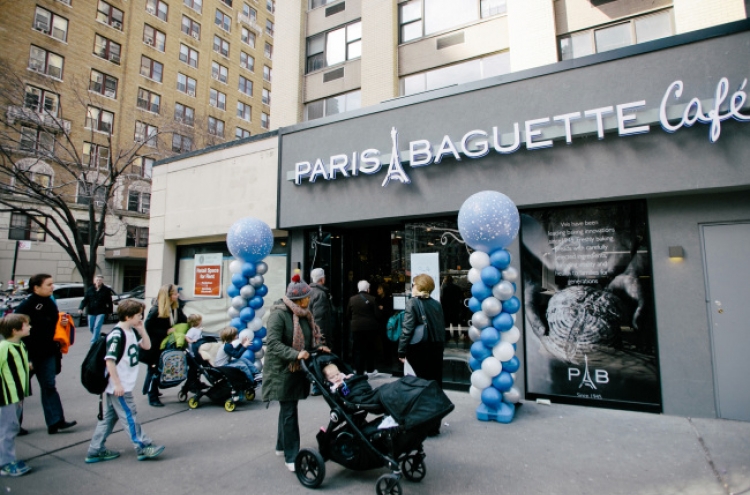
[{"x": 298, "y": 338}]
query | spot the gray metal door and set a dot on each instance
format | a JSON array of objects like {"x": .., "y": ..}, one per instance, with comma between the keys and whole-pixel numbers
[{"x": 727, "y": 274}]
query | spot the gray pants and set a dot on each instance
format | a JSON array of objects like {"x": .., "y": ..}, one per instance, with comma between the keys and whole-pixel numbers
[
  {"x": 122, "y": 408},
  {"x": 10, "y": 425}
]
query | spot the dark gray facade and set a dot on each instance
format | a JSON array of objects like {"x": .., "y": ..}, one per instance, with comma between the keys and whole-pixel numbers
[{"x": 685, "y": 179}]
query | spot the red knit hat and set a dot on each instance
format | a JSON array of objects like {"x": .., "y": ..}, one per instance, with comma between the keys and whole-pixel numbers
[{"x": 297, "y": 288}]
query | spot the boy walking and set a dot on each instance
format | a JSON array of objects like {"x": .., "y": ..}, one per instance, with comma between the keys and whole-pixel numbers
[
  {"x": 14, "y": 381},
  {"x": 122, "y": 368}
]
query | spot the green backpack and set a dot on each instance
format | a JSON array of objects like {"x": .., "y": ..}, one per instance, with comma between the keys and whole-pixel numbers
[{"x": 393, "y": 329}]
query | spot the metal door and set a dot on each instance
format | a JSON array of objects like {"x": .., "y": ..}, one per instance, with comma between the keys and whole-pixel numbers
[{"x": 727, "y": 265}]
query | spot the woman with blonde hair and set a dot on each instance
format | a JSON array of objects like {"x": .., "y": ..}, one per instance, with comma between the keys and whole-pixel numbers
[{"x": 160, "y": 322}]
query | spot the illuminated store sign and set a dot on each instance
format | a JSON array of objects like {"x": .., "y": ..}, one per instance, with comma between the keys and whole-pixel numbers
[{"x": 536, "y": 134}]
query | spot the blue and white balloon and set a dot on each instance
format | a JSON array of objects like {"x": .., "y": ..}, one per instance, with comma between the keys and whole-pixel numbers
[
  {"x": 488, "y": 220},
  {"x": 250, "y": 239}
]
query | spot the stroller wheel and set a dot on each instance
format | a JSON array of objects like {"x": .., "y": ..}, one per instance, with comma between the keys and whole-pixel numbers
[
  {"x": 193, "y": 402},
  {"x": 249, "y": 395},
  {"x": 182, "y": 396},
  {"x": 229, "y": 406},
  {"x": 413, "y": 467},
  {"x": 388, "y": 485},
  {"x": 310, "y": 468}
]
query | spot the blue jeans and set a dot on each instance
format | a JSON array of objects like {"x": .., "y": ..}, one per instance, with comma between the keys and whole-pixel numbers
[
  {"x": 44, "y": 368},
  {"x": 95, "y": 325}
]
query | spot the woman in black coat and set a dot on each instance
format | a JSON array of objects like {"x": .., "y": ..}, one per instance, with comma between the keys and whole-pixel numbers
[
  {"x": 160, "y": 322},
  {"x": 364, "y": 323}
]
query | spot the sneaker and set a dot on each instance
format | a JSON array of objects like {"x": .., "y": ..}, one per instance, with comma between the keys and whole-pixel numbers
[
  {"x": 19, "y": 468},
  {"x": 289, "y": 466},
  {"x": 279, "y": 453},
  {"x": 150, "y": 452},
  {"x": 104, "y": 455}
]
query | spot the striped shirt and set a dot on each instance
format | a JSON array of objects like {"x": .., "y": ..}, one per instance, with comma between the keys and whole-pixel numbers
[{"x": 14, "y": 373}]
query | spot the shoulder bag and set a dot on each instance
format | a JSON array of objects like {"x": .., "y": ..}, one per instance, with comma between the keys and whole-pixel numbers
[{"x": 418, "y": 335}]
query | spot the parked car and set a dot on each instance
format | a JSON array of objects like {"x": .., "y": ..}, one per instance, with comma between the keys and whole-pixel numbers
[
  {"x": 138, "y": 292},
  {"x": 68, "y": 297}
]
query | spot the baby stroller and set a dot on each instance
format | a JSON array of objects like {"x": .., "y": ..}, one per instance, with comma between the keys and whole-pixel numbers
[
  {"x": 226, "y": 385},
  {"x": 407, "y": 410}
]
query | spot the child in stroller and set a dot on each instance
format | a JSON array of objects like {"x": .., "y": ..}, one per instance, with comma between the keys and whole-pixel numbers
[
  {"x": 225, "y": 385},
  {"x": 406, "y": 410}
]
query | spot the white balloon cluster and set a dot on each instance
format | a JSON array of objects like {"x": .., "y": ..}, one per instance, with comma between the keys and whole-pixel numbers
[{"x": 247, "y": 291}]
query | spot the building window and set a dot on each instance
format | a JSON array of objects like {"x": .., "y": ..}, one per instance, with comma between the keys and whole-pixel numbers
[
  {"x": 95, "y": 155},
  {"x": 99, "y": 120},
  {"x": 146, "y": 133},
  {"x": 247, "y": 37},
  {"x": 40, "y": 60},
  {"x": 333, "y": 105},
  {"x": 240, "y": 133},
  {"x": 181, "y": 144},
  {"x": 196, "y": 5},
  {"x": 83, "y": 229},
  {"x": 472, "y": 70},
  {"x": 23, "y": 228},
  {"x": 41, "y": 101},
  {"x": 221, "y": 46},
  {"x": 51, "y": 24},
  {"x": 109, "y": 15},
  {"x": 224, "y": 21},
  {"x": 247, "y": 61},
  {"x": 266, "y": 73},
  {"x": 151, "y": 68},
  {"x": 136, "y": 236},
  {"x": 219, "y": 72},
  {"x": 186, "y": 84},
  {"x": 142, "y": 166},
  {"x": 107, "y": 49},
  {"x": 157, "y": 8},
  {"x": 246, "y": 86},
  {"x": 103, "y": 84},
  {"x": 228, "y": 3},
  {"x": 217, "y": 99},
  {"x": 190, "y": 27},
  {"x": 188, "y": 55},
  {"x": 419, "y": 18},
  {"x": 269, "y": 28},
  {"x": 184, "y": 114},
  {"x": 265, "y": 120},
  {"x": 488, "y": 8},
  {"x": 216, "y": 127},
  {"x": 271, "y": 6},
  {"x": 87, "y": 191},
  {"x": 148, "y": 100},
  {"x": 319, "y": 3},
  {"x": 37, "y": 141},
  {"x": 249, "y": 12},
  {"x": 334, "y": 47},
  {"x": 154, "y": 38},
  {"x": 611, "y": 37},
  {"x": 268, "y": 51},
  {"x": 244, "y": 111}
]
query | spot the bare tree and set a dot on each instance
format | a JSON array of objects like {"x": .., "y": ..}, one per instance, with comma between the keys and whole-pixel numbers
[{"x": 57, "y": 176}]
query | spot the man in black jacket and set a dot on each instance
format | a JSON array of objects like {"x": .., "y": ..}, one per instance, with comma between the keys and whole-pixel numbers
[{"x": 98, "y": 298}]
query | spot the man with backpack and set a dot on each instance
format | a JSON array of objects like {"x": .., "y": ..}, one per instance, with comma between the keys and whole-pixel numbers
[{"x": 121, "y": 359}]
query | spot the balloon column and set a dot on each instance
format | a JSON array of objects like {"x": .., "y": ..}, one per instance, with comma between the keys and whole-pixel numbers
[
  {"x": 488, "y": 222},
  {"x": 249, "y": 240}
]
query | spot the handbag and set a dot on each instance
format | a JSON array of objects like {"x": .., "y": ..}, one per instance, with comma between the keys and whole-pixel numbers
[{"x": 418, "y": 335}]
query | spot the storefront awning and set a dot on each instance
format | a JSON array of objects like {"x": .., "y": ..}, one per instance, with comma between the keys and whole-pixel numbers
[{"x": 126, "y": 253}]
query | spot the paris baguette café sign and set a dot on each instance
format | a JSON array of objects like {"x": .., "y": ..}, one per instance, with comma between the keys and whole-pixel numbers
[{"x": 539, "y": 133}]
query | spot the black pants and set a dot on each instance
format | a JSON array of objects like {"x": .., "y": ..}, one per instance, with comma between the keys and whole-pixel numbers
[
  {"x": 287, "y": 437},
  {"x": 151, "y": 385},
  {"x": 363, "y": 351}
]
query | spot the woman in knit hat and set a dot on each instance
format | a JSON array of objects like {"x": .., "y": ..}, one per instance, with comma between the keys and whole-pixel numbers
[{"x": 292, "y": 335}]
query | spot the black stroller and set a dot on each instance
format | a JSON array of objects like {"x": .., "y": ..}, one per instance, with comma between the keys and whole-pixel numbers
[
  {"x": 411, "y": 407},
  {"x": 226, "y": 385}
]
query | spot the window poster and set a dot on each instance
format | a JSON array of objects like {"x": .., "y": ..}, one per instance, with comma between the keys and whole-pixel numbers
[
  {"x": 208, "y": 275},
  {"x": 590, "y": 333}
]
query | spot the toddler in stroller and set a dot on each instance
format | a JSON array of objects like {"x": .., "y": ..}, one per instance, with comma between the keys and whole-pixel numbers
[{"x": 405, "y": 411}]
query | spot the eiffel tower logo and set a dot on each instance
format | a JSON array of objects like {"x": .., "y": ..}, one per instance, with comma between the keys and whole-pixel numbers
[
  {"x": 587, "y": 376},
  {"x": 395, "y": 170}
]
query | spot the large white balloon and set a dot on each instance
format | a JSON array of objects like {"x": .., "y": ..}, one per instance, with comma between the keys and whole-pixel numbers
[
  {"x": 503, "y": 290},
  {"x": 235, "y": 266},
  {"x": 480, "y": 380},
  {"x": 247, "y": 291},
  {"x": 479, "y": 260},
  {"x": 491, "y": 367},
  {"x": 480, "y": 320},
  {"x": 475, "y": 393},
  {"x": 512, "y": 395},
  {"x": 503, "y": 351},
  {"x": 491, "y": 307},
  {"x": 256, "y": 324},
  {"x": 474, "y": 275},
  {"x": 511, "y": 336},
  {"x": 510, "y": 274},
  {"x": 247, "y": 333},
  {"x": 239, "y": 302},
  {"x": 233, "y": 312},
  {"x": 474, "y": 333}
]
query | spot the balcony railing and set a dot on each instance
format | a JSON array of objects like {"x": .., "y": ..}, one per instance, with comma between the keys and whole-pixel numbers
[{"x": 27, "y": 115}]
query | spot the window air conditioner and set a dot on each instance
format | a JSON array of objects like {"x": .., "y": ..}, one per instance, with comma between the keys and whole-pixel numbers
[
  {"x": 110, "y": 92},
  {"x": 98, "y": 204},
  {"x": 145, "y": 210},
  {"x": 41, "y": 26},
  {"x": 150, "y": 9},
  {"x": 149, "y": 41},
  {"x": 195, "y": 35},
  {"x": 191, "y": 92},
  {"x": 117, "y": 24},
  {"x": 115, "y": 58}
]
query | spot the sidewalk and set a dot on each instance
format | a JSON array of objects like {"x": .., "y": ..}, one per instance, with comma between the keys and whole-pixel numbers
[{"x": 550, "y": 450}]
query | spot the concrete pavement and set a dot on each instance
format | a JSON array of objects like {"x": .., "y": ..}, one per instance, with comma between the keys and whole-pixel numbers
[{"x": 550, "y": 450}]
